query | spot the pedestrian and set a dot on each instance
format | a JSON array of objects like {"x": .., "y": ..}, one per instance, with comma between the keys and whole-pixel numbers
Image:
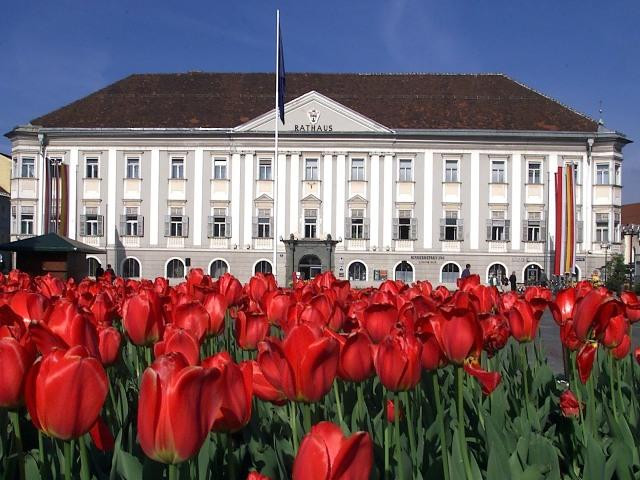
[
  {"x": 512, "y": 281},
  {"x": 467, "y": 271},
  {"x": 99, "y": 272},
  {"x": 110, "y": 271},
  {"x": 543, "y": 278},
  {"x": 504, "y": 282}
]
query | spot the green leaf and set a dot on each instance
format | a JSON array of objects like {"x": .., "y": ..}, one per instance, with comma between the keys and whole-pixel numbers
[
  {"x": 456, "y": 464},
  {"x": 498, "y": 462},
  {"x": 594, "y": 468}
]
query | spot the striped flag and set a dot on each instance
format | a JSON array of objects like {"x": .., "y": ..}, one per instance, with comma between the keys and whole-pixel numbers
[{"x": 565, "y": 241}]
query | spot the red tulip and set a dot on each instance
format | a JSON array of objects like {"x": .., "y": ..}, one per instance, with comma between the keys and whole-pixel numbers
[
  {"x": 109, "y": 345},
  {"x": 459, "y": 335},
  {"x": 143, "y": 318},
  {"x": 538, "y": 298},
  {"x": 585, "y": 359},
  {"x": 569, "y": 404},
  {"x": 277, "y": 304},
  {"x": 356, "y": 360},
  {"x": 216, "y": 306},
  {"x": 523, "y": 321},
  {"x": 495, "y": 333},
  {"x": 176, "y": 408},
  {"x": 250, "y": 329},
  {"x": 50, "y": 286},
  {"x": 65, "y": 391},
  {"x": 236, "y": 390},
  {"x": 468, "y": 283},
  {"x": 379, "y": 321},
  {"x": 16, "y": 361},
  {"x": 265, "y": 390},
  {"x": 29, "y": 306},
  {"x": 563, "y": 306},
  {"x": 191, "y": 316},
  {"x": 398, "y": 362},
  {"x": 257, "y": 476},
  {"x": 178, "y": 339},
  {"x": 303, "y": 366},
  {"x": 231, "y": 288},
  {"x": 568, "y": 336},
  {"x": 391, "y": 411},
  {"x": 73, "y": 326},
  {"x": 631, "y": 306},
  {"x": 636, "y": 354},
  {"x": 326, "y": 454},
  {"x": 103, "y": 309},
  {"x": 507, "y": 301},
  {"x": 489, "y": 381},
  {"x": 622, "y": 350}
]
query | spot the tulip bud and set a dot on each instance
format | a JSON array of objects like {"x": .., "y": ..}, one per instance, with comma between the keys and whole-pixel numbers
[
  {"x": 391, "y": 411},
  {"x": 569, "y": 404}
]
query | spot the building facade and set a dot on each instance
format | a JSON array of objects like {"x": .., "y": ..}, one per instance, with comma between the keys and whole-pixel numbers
[{"x": 404, "y": 176}]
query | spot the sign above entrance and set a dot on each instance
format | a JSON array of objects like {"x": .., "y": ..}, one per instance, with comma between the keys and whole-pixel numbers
[{"x": 314, "y": 113}]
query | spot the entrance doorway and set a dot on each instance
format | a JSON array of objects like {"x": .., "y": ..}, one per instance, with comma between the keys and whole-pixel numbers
[{"x": 309, "y": 267}]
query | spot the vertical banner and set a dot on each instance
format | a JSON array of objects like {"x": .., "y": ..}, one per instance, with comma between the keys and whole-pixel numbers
[
  {"x": 63, "y": 199},
  {"x": 46, "y": 220},
  {"x": 565, "y": 240}
]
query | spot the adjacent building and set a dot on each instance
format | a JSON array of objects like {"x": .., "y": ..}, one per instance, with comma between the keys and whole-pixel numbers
[{"x": 405, "y": 176}]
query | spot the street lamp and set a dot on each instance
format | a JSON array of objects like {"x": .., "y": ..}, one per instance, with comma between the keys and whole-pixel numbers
[{"x": 605, "y": 247}]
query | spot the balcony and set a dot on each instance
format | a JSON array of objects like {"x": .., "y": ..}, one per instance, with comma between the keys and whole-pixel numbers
[
  {"x": 534, "y": 193},
  {"x": 175, "y": 242},
  {"x": 130, "y": 242},
  {"x": 92, "y": 241},
  {"x": 449, "y": 246},
  {"x": 359, "y": 244},
  {"x": 177, "y": 189},
  {"x": 24, "y": 187},
  {"x": 403, "y": 246},
  {"x": 219, "y": 243},
  {"x": 607, "y": 195},
  {"x": 263, "y": 243},
  {"x": 132, "y": 189},
  {"x": 498, "y": 193},
  {"x": 497, "y": 247},
  {"x": 534, "y": 247},
  {"x": 91, "y": 188}
]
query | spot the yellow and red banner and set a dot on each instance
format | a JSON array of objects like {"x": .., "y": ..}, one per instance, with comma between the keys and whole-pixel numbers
[{"x": 565, "y": 239}]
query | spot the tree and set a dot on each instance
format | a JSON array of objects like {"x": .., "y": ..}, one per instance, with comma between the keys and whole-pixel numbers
[{"x": 616, "y": 272}]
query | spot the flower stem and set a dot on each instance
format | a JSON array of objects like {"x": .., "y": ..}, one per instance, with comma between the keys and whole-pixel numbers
[
  {"x": 294, "y": 426},
  {"x": 461, "y": 424},
  {"x": 231, "y": 464},
  {"x": 591, "y": 414},
  {"x": 306, "y": 416},
  {"x": 68, "y": 460},
  {"x": 173, "y": 471},
  {"x": 396, "y": 424},
  {"x": 411, "y": 429},
  {"x": 84, "y": 460},
  {"x": 525, "y": 379},
  {"x": 441, "y": 431},
  {"x": 336, "y": 392},
  {"x": 611, "y": 387},
  {"x": 387, "y": 468},
  {"x": 43, "y": 464},
  {"x": 15, "y": 421}
]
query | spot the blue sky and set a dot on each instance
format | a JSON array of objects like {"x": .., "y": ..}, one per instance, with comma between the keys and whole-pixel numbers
[{"x": 579, "y": 52}]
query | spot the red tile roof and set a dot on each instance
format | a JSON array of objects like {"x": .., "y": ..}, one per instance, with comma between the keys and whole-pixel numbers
[
  {"x": 409, "y": 101},
  {"x": 631, "y": 214}
]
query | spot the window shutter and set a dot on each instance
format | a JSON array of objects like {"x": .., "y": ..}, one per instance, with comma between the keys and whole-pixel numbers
[
  {"x": 396, "y": 229},
  {"x": 442, "y": 229},
  {"x": 580, "y": 231},
  {"x": 100, "y": 225},
  {"x": 167, "y": 226},
  {"x": 185, "y": 226},
  {"x": 83, "y": 225},
  {"x": 507, "y": 230},
  {"x": 489, "y": 225},
  {"x": 525, "y": 230},
  {"x": 123, "y": 225},
  {"x": 254, "y": 227},
  {"x": 366, "y": 229},
  {"x": 460, "y": 229},
  {"x": 347, "y": 228},
  {"x": 140, "y": 226},
  {"x": 210, "y": 226},
  {"x": 272, "y": 234},
  {"x": 227, "y": 227},
  {"x": 414, "y": 229}
]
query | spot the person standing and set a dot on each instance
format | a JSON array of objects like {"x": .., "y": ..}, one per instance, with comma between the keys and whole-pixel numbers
[
  {"x": 512, "y": 281},
  {"x": 543, "y": 278},
  {"x": 467, "y": 271}
]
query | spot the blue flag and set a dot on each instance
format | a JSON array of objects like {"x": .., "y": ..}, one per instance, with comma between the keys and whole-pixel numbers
[{"x": 281, "y": 76}]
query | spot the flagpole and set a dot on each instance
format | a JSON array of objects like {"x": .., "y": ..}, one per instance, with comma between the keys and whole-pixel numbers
[{"x": 275, "y": 158}]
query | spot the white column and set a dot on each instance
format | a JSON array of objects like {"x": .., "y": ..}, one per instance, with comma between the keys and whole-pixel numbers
[
  {"x": 249, "y": 169},
  {"x": 73, "y": 191},
  {"x": 551, "y": 195},
  {"x": 294, "y": 201},
  {"x": 282, "y": 205},
  {"x": 374, "y": 201},
  {"x": 474, "y": 221},
  {"x": 197, "y": 196},
  {"x": 516, "y": 200},
  {"x": 42, "y": 172},
  {"x": 427, "y": 187},
  {"x": 327, "y": 194},
  {"x": 587, "y": 207},
  {"x": 387, "y": 207},
  {"x": 235, "y": 199},
  {"x": 153, "y": 206},
  {"x": 111, "y": 196},
  {"x": 340, "y": 198}
]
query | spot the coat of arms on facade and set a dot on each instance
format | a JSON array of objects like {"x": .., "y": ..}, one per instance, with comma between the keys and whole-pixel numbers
[{"x": 314, "y": 115}]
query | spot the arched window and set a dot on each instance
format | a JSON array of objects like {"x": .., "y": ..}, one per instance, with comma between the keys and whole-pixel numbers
[
  {"x": 532, "y": 274},
  {"x": 175, "y": 268},
  {"x": 218, "y": 268},
  {"x": 404, "y": 272},
  {"x": 92, "y": 265},
  {"x": 450, "y": 273},
  {"x": 131, "y": 268},
  {"x": 357, "y": 272},
  {"x": 496, "y": 271},
  {"x": 262, "y": 266}
]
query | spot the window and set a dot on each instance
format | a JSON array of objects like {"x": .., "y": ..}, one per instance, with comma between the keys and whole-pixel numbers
[
  {"x": 131, "y": 268},
  {"x": 219, "y": 224},
  {"x": 404, "y": 225},
  {"x": 357, "y": 272},
  {"x": 218, "y": 268},
  {"x": 263, "y": 266},
  {"x": 450, "y": 273},
  {"x": 357, "y": 223},
  {"x": 15, "y": 172},
  {"x": 220, "y": 168},
  {"x": 177, "y": 168},
  {"x": 618, "y": 174},
  {"x": 451, "y": 226},
  {"x": 26, "y": 220},
  {"x": 14, "y": 219},
  {"x": 176, "y": 225},
  {"x": 451, "y": 170},
  {"x": 495, "y": 274},
  {"x": 91, "y": 165},
  {"x": 602, "y": 174},
  {"x": 602, "y": 227},
  {"x": 498, "y": 227},
  {"x": 264, "y": 169},
  {"x": 92, "y": 266},
  {"x": 175, "y": 268},
  {"x": 91, "y": 223},
  {"x": 132, "y": 223},
  {"x": 535, "y": 172},
  {"x": 310, "y": 223},
  {"x": 133, "y": 167},
  {"x": 533, "y": 228},
  {"x": 405, "y": 173},
  {"x": 311, "y": 169},
  {"x": 498, "y": 174},
  {"x": 616, "y": 226},
  {"x": 263, "y": 223},
  {"x": 28, "y": 167},
  {"x": 404, "y": 272},
  {"x": 357, "y": 169}
]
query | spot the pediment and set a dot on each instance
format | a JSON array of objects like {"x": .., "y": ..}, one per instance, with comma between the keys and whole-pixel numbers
[
  {"x": 357, "y": 199},
  {"x": 311, "y": 199},
  {"x": 314, "y": 113},
  {"x": 264, "y": 198}
]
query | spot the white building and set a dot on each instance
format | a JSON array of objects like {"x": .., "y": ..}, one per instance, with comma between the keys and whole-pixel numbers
[{"x": 414, "y": 175}]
